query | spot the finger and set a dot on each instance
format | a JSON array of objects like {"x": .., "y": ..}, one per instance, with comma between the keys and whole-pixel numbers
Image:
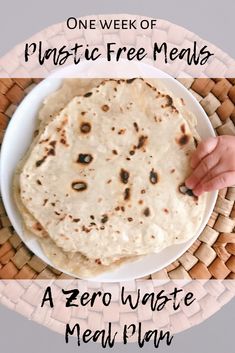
[
  {"x": 202, "y": 170},
  {"x": 214, "y": 172},
  {"x": 204, "y": 148},
  {"x": 218, "y": 169},
  {"x": 219, "y": 182}
]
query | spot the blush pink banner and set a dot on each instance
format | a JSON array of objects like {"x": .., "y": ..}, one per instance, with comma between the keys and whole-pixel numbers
[{"x": 114, "y": 39}]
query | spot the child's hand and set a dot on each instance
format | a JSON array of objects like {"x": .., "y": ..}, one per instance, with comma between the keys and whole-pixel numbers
[{"x": 213, "y": 165}]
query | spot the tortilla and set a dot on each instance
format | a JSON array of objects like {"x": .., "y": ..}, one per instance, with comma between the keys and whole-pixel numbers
[
  {"x": 50, "y": 108},
  {"x": 101, "y": 165},
  {"x": 56, "y": 102}
]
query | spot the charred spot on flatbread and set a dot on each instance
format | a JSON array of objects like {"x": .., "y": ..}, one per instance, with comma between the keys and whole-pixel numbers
[
  {"x": 104, "y": 218},
  {"x": 136, "y": 127},
  {"x": 85, "y": 127},
  {"x": 186, "y": 191},
  {"x": 183, "y": 140},
  {"x": 146, "y": 212},
  {"x": 124, "y": 176},
  {"x": 63, "y": 141},
  {"x": 84, "y": 158},
  {"x": 169, "y": 102},
  {"x": 79, "y": 185},
  {"x": 37, "y": 226},
  {"x": 36, "y": 132},
  {"x": 121, "y": 131},
  {"x": 142, "y": 141},
  {"x": 130, "y": 80},
  {"x": 127, "y": 194},
  {"x": 88, "y": 94},
  {"x": 40, "y": 161},
  {"x": 105, "y": 108},
  {"x": 76, "y": 220},
  {"x": 51, "y": 152},
  {"x": 52, "y": 143},
  {"x": 153, "y": 177},
  {"x": 44, "y": 141}
]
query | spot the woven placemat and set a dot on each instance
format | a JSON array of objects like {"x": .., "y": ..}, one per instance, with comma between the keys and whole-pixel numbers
[{"x": 213, "y": 253}]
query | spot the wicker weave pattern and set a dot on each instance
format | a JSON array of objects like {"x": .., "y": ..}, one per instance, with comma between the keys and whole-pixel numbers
[{"x": 211, "y": 256}]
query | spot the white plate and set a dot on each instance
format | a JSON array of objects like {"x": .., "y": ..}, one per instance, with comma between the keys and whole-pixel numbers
[{"x": 18, "y": 138}]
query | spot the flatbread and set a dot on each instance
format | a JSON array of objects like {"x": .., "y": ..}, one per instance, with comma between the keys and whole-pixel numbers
[
  {"x": 57, "y": 101},
  {"x": 150, "y": 220},
  {"x": 71, "y": 262},
  {"x": 50, "y": 108}
]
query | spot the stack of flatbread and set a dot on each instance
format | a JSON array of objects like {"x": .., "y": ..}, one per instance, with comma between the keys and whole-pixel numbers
[{"x": 103, "y": 181}]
